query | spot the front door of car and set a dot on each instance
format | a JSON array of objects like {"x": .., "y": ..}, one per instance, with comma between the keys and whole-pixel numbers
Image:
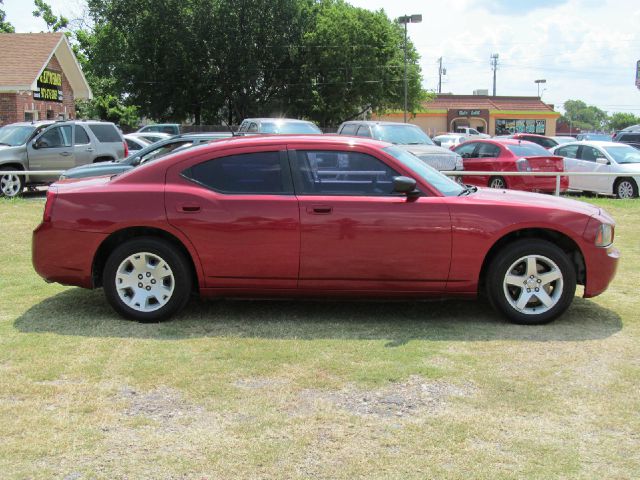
[
  {"x": 238, "y": 210},
  {"x": 51, "y": 150},
  {"x": 356, "y": 234},
  {"x": 569, "y": 153}
]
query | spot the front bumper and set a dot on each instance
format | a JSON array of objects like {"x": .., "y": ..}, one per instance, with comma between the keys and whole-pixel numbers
[{"x": 601, "y": 265}]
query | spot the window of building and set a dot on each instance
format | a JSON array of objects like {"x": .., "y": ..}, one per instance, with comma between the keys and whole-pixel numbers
[
  {"x": 249, "y": 173},
  {"x": 343, "y": 173},
  {"x": 511, "y": 126},
  {"x": 31, "y": 116},
  {"x": 50, "y": 115}
]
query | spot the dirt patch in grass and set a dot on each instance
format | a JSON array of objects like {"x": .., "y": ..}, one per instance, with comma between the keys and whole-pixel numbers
[
  {"x": 160, "y": 404},
  {"x": 403, "y": 399}
]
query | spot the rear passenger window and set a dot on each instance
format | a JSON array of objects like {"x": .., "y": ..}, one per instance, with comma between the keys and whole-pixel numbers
[
  {"x": 570, "y": 151},
  {"x": 81, "y": 135},
  {"x": 343, "y": 173},
  {"x": 364, "y": 131},
  {"x": 486, "y": 150},
  {"x": 105, "y": 133},
  {"x": 249, "y": 173},
  {"x": 349, "y": 129}
]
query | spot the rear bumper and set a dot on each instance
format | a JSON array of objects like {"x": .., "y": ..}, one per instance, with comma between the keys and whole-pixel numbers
[
  {"x": 64, "y": 256},
  {"x": 537, "y": 184},
  {"x": 601, "y": 265}
]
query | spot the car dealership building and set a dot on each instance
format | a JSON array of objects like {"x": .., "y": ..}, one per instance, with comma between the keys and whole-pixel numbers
[
  {"x": 40, "y": 78},
  {"x": 487, "y": 114}
]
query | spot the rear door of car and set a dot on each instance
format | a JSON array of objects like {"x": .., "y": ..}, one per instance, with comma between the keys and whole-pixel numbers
[
  {"x": 357, "y": 235},
  {"x": 238, "y": 208},
  {"x": 83, "y": 150}
]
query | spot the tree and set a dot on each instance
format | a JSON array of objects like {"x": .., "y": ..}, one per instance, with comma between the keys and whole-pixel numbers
[
  {"x": 583, "y": 116},
  {"x": 621, "y": 120},
  {"x": 54, "y": 23},
  {"x": 5, "y": 27}
]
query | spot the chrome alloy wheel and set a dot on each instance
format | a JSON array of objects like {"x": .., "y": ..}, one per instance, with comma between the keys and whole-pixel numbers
[
  {"x": 10, "y": 185},
  {"x": 497, "y": 183},
  {"x": 533, "y": 284},
  {"x": 144, "y": 282},
  {"x": 625, "y": 189}
]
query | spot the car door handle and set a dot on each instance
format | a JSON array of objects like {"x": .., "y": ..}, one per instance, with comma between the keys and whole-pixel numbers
[
  {"x": 189, "y": 208},
  {"x": 89, "y": 149},
  {"x": 319, "y": 210},
  {"x": 65, "y": 154}
]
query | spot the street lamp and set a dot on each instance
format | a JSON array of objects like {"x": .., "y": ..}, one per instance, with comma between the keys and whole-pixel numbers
[
  {"x": 405, "y": 19},
  {"x": 542, "y": 80}
]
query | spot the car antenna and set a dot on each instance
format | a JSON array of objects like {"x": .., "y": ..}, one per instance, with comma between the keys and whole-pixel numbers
[{"x": 229, "y": 127}]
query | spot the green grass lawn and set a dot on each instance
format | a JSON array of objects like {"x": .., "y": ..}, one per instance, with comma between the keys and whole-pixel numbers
[{"x": 314, "y": 390}]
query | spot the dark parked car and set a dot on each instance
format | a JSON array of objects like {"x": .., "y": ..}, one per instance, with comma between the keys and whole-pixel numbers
[
  {"x": 170, "y": 128},
  {"x": 544, "y": 142},
  {"x": 629, "y": 137},
  {"x": 151, "y": 152},
  {"x": 289, "y": 216}
]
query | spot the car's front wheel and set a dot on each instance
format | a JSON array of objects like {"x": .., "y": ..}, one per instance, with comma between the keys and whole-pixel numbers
[
  {"x": 11, "y": 185},
  {"x": 147, "y": 279},
  {"x": 531, "y": 282},
  {"x": 497, "y": 182}
]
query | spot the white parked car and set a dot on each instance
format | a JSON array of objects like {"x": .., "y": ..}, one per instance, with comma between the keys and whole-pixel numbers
[
  {"x": 151, "y": 137},
  {"x": 449, "y": 140},
  {"x": 603, "y": 157},
  {"x": 564, "y": 139},
  {"x": 135, "y": 144},
  {"x": 471, "y": 132}
]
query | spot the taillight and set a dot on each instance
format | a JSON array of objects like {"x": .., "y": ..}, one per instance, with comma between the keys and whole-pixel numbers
[
  {"x": 48, "y": 206},
  {"x": 522, "y": 164},
  {"x": 126, "y": 149}
]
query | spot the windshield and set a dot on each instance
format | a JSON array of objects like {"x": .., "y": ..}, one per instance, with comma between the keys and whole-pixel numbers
[
  {"x": 289, "y": 127},
  {"x": 402, "y": 135},
  {"x": 430, "y": 175},
  {"x": 597, "y": 137},
  {"x": 15, "y": 135},
  {"x": 624, "y": 154},
  {"x": 528, "y": 150}
]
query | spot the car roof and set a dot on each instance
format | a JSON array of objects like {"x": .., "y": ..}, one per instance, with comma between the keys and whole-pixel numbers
[
  {"x": 272, "y": 119},
  {"x": 501, "y": 141},
  {"x": 594, "y": 143},
  {"x": 531, "y": 135},
  {"x": 375, "y": 122},
  {"x": 300, "y": 138}
]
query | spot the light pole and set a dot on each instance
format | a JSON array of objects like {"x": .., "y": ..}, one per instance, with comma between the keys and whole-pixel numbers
[
  {"x": 538, "y": 82},
  {"x": 405, "y": 19}
]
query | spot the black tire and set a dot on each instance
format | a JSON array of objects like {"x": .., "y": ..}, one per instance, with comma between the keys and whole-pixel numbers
[
  {"x": 497, "y": 182},
  {"x": 625, "y": 188},
  {"x": 503, "y": 295},
  {"x": 11, "y": 186},
  {"x": 181, "y": 280}
]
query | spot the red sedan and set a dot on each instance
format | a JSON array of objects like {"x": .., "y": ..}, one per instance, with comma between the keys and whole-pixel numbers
[
  {"x": 510, "y": 155},
  {"x": 316, "y": 216}
]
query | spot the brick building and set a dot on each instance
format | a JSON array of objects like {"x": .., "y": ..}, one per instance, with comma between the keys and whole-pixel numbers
[
  {"x": 40, "y": 78},
  {"x": 487, "y": 114}
]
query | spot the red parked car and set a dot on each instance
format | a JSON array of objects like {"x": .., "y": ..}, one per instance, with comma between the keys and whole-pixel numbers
[
  {"x": 509, "y": 155},
  {"x": 316, "y": 216}
]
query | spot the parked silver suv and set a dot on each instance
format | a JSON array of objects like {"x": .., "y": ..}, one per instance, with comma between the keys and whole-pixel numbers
[
  {"x": 53, "y": 146},
  {"x": 408, "y": 137}
]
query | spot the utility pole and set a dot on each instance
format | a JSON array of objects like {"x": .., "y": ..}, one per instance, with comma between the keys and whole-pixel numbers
[
  {"x": 441, "y": 72},
  {"x": 494, "y": 65},
  {"x": 406, "y": 19}
]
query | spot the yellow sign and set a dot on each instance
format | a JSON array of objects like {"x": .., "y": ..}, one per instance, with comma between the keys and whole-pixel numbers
[{"x": 49, "y": 87}]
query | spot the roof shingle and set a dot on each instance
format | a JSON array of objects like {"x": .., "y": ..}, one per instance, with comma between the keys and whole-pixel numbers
[{"x": 22, "y": 56}]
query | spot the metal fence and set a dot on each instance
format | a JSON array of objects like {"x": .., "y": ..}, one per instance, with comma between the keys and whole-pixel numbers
[{"x": 451, "y": 173}]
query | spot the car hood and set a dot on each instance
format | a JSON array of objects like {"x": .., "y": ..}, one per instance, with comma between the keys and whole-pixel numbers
[
  {"x": 96, "y": 169},
  {"x": 633, "y": 168},
  {"x": 7, "y": 151},
  {"x": 528, "y": 199},
  {"x": 418, "y": 150}
]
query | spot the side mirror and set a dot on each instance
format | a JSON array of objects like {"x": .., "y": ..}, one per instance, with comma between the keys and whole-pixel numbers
[
  {"x": 136, "y": 161},
  {"x": 404, "y": 185},
  {"x": 35, "y": 144},
  {"x": 602, "y": 161}
]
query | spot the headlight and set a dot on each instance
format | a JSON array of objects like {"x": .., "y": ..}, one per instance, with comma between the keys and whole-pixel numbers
[
  {"x": 459, "y": 163},
  {"x": 62, "y": 177},
  {"x": 604, "y": 235}
]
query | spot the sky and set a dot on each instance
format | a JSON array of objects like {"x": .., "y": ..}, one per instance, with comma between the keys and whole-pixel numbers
[{"x": 584, "y": 49}]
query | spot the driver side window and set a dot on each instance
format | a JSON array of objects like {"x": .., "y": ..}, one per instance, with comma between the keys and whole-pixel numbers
[{"x": 56, "y": 137}]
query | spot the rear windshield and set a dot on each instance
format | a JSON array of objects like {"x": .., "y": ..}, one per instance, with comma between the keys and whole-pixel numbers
[
  {"x": 289, "y": 127},
  {"x": 105, "y": 133},
  {"x": 402, "y": 135},
  {"x": 528, "y": 150}
]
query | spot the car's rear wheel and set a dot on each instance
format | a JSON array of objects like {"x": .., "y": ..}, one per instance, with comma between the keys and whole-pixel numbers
[
  {"x": 531, "y": 282},
  {"x": 497, "y": 182},
  {"x": 147, "y": 279},
  {"x": 11, "y": 185},
  {"x": 626, "y": 188}
]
